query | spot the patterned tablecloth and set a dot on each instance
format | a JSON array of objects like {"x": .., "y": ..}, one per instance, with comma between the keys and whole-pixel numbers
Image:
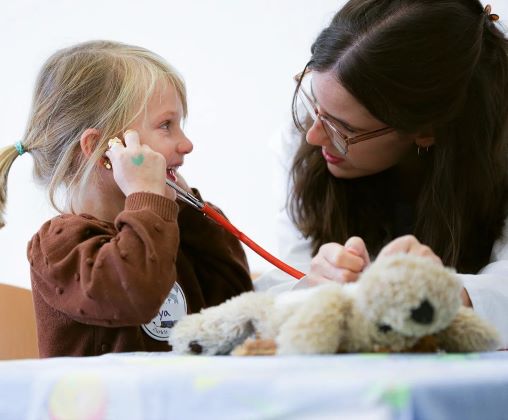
[{"x": 162, "y": 386}]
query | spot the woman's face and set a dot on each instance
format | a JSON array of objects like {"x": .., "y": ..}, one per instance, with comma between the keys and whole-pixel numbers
[{"x": 365, "y": 158}]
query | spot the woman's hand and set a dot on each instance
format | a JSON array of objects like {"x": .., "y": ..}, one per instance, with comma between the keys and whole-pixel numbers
[
  {"x": 136, "y": 167},
  {"x": 466, "y": 300},
  {"x": 339, "y": 263},
  {"x": 409, "y": 245}
]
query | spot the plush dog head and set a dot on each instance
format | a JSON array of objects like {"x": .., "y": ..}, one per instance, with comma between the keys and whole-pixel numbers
[{"x": 408, "y": 295}]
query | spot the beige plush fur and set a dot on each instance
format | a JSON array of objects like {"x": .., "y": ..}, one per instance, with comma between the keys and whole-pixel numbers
[{"x": 397, "y": 301}]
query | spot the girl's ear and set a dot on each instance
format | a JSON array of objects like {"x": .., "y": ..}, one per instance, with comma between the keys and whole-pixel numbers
[{"x": 88, "y": 141}]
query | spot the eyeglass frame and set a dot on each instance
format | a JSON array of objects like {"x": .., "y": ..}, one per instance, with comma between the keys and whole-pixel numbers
[{"x": 325, "y": 120}]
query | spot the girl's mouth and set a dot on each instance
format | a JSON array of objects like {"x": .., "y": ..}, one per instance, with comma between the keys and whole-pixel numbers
[{"x": 171, "y": 174}]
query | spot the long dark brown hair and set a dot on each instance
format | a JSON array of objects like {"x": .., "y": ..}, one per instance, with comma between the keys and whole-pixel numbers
[{"x": 415, "y": 64}]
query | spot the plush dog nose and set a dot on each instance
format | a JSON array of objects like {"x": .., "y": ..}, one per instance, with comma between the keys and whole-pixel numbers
[{"x": 424, "y": 314}]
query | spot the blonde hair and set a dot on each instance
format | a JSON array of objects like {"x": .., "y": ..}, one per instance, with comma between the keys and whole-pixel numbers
[{"x": 99, "y": 84}]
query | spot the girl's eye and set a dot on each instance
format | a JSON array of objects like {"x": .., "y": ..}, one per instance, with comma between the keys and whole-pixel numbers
[{"x": 165, "y": 125}]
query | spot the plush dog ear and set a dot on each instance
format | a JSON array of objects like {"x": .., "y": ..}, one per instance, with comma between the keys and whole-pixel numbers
[
  {"x": 468, "y": 333},
  {"x": 317, "y": 326}
]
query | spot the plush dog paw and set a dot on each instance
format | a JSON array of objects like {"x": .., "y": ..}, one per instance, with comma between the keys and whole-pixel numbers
[
  {"x": 215, "y": 330},
  {"x": 193, "y": 334},
  {"x": 469, "y": 333}
]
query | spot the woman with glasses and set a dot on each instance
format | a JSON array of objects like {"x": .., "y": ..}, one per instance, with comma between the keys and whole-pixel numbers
[{"x": 399, "y": 144}]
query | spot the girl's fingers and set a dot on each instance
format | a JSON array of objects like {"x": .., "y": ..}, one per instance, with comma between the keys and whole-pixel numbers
[
  {"x": 131, "y": 138},
  {"x": 114, "y": 141},
  {"x": 113, "y": 146}
]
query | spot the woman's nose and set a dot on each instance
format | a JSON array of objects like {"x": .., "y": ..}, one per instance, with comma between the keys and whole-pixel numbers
[{"x": 317, "y": 135}]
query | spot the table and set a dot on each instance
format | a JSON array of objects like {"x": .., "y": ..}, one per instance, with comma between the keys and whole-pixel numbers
[{"x": 149, "y": 386}]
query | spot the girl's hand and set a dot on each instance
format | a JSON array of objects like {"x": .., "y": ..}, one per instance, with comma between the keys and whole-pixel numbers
[
  {"x": 137, "y": 167},
  {"x": 409, "y": 245},
  {"x": 339, "y": 263}
]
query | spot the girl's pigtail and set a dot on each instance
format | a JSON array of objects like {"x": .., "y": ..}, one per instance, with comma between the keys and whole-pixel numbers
[{"x": 7, "y": 156}]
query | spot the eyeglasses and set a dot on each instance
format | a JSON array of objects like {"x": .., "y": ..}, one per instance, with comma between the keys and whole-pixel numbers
[{"x": 335, "y": 133}]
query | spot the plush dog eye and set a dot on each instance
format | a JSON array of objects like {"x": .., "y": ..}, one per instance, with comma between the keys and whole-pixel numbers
[{"x": 384, "y": 328}]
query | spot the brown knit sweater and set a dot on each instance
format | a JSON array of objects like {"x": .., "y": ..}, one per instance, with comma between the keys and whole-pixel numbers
[{"x": 95, "y": 284}]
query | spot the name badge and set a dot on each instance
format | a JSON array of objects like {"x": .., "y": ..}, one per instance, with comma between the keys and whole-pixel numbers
[{"x": 173, "y": 309}]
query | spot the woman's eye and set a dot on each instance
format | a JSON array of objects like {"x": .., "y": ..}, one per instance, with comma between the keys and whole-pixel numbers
[{"x": 347, "y": 129}]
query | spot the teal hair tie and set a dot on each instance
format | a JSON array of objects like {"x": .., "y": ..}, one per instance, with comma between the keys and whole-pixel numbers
[{"x": 19, "y": 148}]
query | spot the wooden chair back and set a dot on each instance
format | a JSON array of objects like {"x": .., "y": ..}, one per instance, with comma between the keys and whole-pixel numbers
[{"x": 18, "y": 335}]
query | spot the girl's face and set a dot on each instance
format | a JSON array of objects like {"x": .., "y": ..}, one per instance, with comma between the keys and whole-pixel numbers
[
  {"x": 160, "y": 127},
  {"x": 364, "y": 158}
]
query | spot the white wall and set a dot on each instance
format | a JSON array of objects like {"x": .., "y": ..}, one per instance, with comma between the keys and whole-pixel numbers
[{"x": 238, "y": 59}]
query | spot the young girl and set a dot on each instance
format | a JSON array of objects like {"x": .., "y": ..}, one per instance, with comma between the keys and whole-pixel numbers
[
  {"x": 403, "y": 108},
  {"x": 123, "y": 261}
]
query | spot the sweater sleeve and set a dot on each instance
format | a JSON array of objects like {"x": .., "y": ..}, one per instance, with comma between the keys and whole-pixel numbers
[
  {"x": 108, "y": 275},
  {"x": 217, "y": 257}
]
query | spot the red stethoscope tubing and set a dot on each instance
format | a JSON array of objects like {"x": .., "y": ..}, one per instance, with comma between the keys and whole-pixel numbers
[{"x": 226, "y": 224}]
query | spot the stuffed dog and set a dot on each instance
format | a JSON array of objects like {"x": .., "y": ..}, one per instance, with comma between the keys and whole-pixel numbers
[{"x": 397, "y": 302}]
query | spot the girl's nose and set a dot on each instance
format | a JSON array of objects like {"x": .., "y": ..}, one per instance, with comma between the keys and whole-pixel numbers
[
  {"x": 317, "y": 135},
  {"x": 184, "y": 146}
]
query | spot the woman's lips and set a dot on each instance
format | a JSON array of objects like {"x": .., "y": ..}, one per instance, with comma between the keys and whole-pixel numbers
[{"x": 334, "y": 160}]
